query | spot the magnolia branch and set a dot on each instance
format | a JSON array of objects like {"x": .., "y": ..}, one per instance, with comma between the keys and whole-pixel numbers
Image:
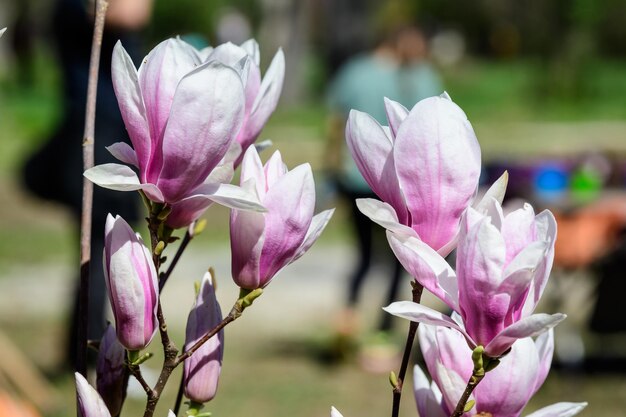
[
  {"x": 462, "y": 405},
  {"x": 136, "y": 372},
  {"x": 87, "y": 202},
  {"x": 246, "y": 298},
  {"x": 482, "y": 365},
  {"x": 183, "y": 245}
]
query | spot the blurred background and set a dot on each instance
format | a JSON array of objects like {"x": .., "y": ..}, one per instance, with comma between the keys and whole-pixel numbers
[{"x": 543, "y": 84}]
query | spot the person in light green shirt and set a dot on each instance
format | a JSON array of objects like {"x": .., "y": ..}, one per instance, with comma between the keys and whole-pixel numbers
[{"x": 397, "y": 69}]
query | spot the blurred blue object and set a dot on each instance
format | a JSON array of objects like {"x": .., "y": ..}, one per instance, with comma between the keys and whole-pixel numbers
[{"x": 551, "y": 182}]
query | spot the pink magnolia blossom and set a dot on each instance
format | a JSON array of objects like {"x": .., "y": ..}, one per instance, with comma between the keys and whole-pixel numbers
[
  {"x": 202, "y": 369},
  {"x": 425, "y": 168},
  {"x": 132, "y": 282},
  {"x": 89, "y": 402},
  {"x": 261, "y": 98},
  {"x": 261, "y": 95},
  {"x": 111, "y": 378},
  {"x": 263, "y": 243},
  {"x": 503, "y": 392},
  {"x": 182, "y": 116},
  {"x": 502, "y": 267}
]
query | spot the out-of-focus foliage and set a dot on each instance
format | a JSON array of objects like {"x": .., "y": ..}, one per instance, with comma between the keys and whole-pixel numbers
[{"x": 539, "y": 26}]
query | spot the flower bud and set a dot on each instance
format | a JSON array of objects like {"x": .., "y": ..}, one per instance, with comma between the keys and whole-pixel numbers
[
  {"x": 262, "y": 244},
  {"x": 132, "y": 283},
  {"x": 89, "y": 402},
  {"x": 202, "y": 369},
  {"x": 111, "y": 376}
]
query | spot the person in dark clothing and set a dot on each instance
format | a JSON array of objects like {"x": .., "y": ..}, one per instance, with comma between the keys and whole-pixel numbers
[{"x": 54, "y": 172}]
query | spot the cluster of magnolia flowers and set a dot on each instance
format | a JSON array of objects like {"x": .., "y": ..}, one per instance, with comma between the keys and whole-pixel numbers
[
  {"x": 425, "y": 166},
  {"x": 193, "y": 117}
]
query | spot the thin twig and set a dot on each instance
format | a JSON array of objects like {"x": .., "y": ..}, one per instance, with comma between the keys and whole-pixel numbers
[
  {"x": 87, "y": 203},
  {"x": 234, "y": 314},
  {"x": 183, "y": 245},
  {"x": 397, "y": 390},
  {"x": 135, "y": 371},
  {"x": 471, "y": 385}
]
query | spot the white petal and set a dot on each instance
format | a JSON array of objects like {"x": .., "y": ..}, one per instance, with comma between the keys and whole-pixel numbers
[
  {"x": 421, "y": 314},
  {"x": 496, "y": 191},
  {"x": 383, "y": 214},
  {"x": 530, "y": 326},
  {"x": 123, "y": 152},
  {"x": 528, "y": 258},
  {"x": 452, "y": 385},
  {"x": 427, "y": 267},
  {"x": 241, "y": 198},
  {"x": 205, "y": 53},
  {"x": 559, "y": 410},
  {"x": 428, "y": 403},
  {"x": 251, "y": 47},
  {"x": 396, "y": 113},
  {"x": 334, "y": 412},
  {"x": 222, "y": 174},
  {"x": 271, "y": 87},
  {"x": 318, "y": 224},
  {"x": 121, "y": 178}
]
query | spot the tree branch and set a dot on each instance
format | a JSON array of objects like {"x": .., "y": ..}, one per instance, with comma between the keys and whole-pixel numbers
[
  {"x": 183, "y": 245},
  {"x": 87, "y": 202}
]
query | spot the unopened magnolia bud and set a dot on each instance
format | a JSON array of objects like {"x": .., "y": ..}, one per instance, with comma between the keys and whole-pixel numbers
[
  {"x": 132, "y": 283},
  {"x": 111, "y": 376},
  {"x": 202, "y": 369},
  {"x": 90, "y": 403}
]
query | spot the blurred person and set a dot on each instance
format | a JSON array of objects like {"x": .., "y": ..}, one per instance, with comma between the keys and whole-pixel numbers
[
  {"x": 54, "y": 172},
  {"x": 396, "y": 68}
]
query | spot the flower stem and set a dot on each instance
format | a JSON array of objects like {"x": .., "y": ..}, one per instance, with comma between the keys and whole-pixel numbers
[
  {"x": 183, "y": 245},
  {"x": 482, "y": 365},
  {"x": 471, "y": 385},
  {"x": 397, "y": 389}
]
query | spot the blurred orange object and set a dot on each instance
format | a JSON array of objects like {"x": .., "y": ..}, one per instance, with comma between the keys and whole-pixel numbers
[
  {"x": 588, "y": 233},
  {"x": 10, "y": 407}
]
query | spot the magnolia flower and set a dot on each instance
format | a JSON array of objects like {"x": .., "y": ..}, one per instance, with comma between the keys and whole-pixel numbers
[
  {"x": 2, "y": 31},
  {"x": 502, "y": 267},
  {"x": 182, "y": 117},
  {"x": 110, "y": 371},
  {"x": 503, "y": 392},
  {"x": 425, "y": 167},
  {"x": 202, "y": 369},
  {"x": 132, "y": 282},
  {"x": 263, "y": 243},
  {"x": 261, "y": 95},
  {"x": 89, "y": 402}
]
